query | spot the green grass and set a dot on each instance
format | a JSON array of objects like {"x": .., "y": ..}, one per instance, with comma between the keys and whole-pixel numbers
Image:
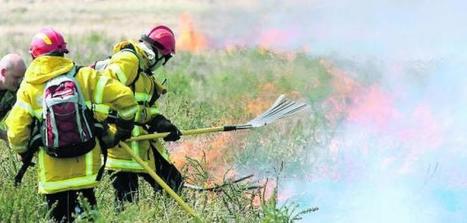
[{"x": 205, "y": 89}]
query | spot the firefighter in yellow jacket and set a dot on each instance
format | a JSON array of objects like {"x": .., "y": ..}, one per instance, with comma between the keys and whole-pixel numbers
[
  {"x": 133, "y": 64},
  {"x": 62, "y": 179}
]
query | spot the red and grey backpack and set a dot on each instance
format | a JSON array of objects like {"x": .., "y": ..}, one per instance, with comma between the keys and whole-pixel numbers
[{"x": 68, "y": 125}]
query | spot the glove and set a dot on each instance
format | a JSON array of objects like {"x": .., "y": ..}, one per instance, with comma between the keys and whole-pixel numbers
[
  {"x": 108, "y": 140},
  {"x": 124, "y": 128},
  {"x": 162, "y": 124}
]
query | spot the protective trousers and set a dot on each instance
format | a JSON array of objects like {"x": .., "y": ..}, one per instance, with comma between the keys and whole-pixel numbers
[
  {"x": 126, "y": 186},
  {"x": 64, "y": 204},
  {"x": 126, "y": 183}
]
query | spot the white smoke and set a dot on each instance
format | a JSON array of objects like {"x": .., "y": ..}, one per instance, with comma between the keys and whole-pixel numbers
[{"x": 407, "y": 166}]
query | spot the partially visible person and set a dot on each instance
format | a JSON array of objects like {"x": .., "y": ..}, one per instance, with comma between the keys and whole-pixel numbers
[
  {"x": 12, "y": 70},
  {"x": 54, "y": 96}
]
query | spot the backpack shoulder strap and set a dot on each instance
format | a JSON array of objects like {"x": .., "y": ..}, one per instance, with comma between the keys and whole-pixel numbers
[
  {"x": 155, "y": 95},
  {"x": 131, "y": 49},
  {"x": 72, "y": 74}
]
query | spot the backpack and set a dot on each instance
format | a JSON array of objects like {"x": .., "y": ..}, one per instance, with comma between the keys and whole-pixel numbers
[{"x": 68, "y": 126}]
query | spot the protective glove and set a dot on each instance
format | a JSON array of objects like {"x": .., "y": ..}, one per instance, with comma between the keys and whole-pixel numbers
[
  {"x": 124, "y": 128},
  {"x": 108, "y": 140},
  {"x": 162, "y": 124}
]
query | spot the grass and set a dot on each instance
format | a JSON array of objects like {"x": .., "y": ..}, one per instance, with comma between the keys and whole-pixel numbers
[{"x": 206, "y": 89}]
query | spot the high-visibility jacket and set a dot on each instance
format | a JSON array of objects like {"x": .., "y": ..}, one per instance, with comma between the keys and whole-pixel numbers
[
  {"x": 64, "y": 174},
  {"x": 127, "y": 64}
]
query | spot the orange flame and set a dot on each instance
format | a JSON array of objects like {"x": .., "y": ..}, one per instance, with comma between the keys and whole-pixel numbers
[
  {"x": 216, "y": 150},
  {"x": 190, "y": 39}
]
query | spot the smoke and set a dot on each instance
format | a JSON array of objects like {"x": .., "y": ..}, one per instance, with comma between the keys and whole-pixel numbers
[
  {"x": 417, "y": 29},
  {"x": 400, "y": 154}
]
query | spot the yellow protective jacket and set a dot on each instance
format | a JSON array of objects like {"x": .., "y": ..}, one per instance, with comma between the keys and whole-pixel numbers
[
  {"x": 127, "y": 64},
  {"x": 63, "y": 174}
]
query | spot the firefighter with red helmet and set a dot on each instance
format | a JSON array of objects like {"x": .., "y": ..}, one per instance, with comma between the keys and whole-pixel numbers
[
  {"x": 62, "y": 178},
  {"x": 134, "y": 64}
]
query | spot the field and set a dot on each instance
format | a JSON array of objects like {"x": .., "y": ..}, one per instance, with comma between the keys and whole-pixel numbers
[{"x": 209, "y": 84}]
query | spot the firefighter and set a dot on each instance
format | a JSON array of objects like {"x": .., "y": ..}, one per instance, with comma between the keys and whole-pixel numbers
[
  {"x": 134, "y": 63},
  {"x": 60, "y": 179}
]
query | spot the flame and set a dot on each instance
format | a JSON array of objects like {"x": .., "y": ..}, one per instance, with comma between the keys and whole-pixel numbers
[
  {"x": 216, "y": 150},
  {"x": 190, "y": 39}
]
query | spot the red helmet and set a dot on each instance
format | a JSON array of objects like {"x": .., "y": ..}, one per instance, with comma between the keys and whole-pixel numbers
[
  {"x": 162, "y": 38},
  {"x": 47, "y": 41}
]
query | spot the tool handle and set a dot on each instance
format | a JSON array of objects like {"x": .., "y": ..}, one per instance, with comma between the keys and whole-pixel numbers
[
  {"x": 161, "y": 182},
  {"x": 26, "y": 162},
  {"x": 185, "y": 132}
]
